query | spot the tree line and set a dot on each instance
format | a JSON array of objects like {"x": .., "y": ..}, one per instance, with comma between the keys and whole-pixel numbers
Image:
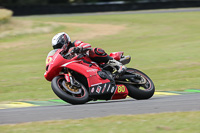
[{"x": 52, "y": 2}]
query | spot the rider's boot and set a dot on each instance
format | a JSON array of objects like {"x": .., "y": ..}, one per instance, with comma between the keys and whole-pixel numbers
[{"x": 121, "y": 69}]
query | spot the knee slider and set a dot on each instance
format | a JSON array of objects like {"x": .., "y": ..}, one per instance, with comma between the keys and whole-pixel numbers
[{"x": 99, "y": 51}]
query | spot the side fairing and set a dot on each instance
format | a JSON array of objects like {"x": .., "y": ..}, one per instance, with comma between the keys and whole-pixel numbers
[
  {"x": 108, "y": 91},
  {"x": 90, "y": 72},
  {"x": 102, "y": 91}
]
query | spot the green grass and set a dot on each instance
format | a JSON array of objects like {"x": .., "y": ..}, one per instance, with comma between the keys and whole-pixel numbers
[
  {"x": 179, "y": 122},
  {"x": 165, "y": 46}
]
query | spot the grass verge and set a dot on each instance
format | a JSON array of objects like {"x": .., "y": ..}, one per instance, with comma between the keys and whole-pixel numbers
[{"x": 178, "y": 122}]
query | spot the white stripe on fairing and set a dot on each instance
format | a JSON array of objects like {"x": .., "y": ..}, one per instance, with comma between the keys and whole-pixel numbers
[
  {"x": 95, "y": 84},
  {"x": 69, "y": 63},
  {"x": 93, "y": 62}
]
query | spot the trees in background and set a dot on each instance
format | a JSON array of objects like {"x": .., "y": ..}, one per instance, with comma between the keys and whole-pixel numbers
[{"x": 50, "y": 2}]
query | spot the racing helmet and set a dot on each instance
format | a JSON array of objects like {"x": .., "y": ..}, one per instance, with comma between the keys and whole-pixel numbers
[{"x": 60, "y": 39}]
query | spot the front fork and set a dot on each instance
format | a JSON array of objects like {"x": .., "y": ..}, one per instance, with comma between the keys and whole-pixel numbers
[{"x": 70, "y": 79}]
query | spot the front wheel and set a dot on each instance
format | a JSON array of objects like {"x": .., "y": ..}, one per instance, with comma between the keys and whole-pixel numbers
[
  {"x": 140, "y": 91},
  {"x": 64, "y": 90}
]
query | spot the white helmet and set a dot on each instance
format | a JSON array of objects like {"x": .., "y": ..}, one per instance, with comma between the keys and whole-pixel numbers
[{"x": 60, "y": 39}]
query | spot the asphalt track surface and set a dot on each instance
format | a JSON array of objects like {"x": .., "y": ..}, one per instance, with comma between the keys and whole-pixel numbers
[{"x": 176, "y": 103}]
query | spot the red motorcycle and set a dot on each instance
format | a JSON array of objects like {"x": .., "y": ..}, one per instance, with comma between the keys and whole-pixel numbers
[{"x": 76, "y": 79}]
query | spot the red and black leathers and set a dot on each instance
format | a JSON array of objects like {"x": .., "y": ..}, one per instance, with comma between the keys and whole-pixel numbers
[{"x": 96, "y": 54}]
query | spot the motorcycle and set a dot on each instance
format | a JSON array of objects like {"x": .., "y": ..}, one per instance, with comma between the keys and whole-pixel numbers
[{"x": 76, "y": 79}]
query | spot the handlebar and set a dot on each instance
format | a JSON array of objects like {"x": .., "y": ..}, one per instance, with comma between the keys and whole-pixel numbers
[{"x": 79, "y": 55}]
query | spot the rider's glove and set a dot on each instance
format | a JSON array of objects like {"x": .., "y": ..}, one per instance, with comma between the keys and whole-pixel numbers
[{"x": 76, "y": 50}]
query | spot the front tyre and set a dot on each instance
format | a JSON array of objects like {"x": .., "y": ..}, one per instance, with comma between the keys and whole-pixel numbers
[
  {"x": 140, "y": 91},
  {"x": 67, "y": 93}
]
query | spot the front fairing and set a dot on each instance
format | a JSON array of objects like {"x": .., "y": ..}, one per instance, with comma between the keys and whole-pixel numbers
[
  {"x": 53, "y": 64},
  {"x": 56, "y": 63}
]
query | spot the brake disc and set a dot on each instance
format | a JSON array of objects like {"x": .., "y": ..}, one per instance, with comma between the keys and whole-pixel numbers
[{"x": 68, "y": 88}]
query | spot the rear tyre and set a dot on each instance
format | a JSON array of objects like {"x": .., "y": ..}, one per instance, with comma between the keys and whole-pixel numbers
[
  {"x": 138, "y": 91},
  {"x": 65, "y": 92}
]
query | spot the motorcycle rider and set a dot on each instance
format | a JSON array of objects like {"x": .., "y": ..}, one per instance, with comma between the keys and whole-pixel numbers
[{"x": 98, "y": 55}]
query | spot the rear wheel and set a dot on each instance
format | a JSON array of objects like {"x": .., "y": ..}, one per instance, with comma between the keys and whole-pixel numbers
[
  {"x": 143, "y": 90},
  {"x": 74, "y": 95}
]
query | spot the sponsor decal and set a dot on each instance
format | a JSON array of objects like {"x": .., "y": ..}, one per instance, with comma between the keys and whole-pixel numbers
[
  {"x": 92, "y": 90},
  {"x": 121, "y": 88},
  {"x": 108, "y": 88},
  {"x": 104, "y": 88},
  {"x": 98, "y": 89},
  {"x": 92, "y": 70},
  {"x": 112, "y": 90},
  {"x": 49, "y": 59}
]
